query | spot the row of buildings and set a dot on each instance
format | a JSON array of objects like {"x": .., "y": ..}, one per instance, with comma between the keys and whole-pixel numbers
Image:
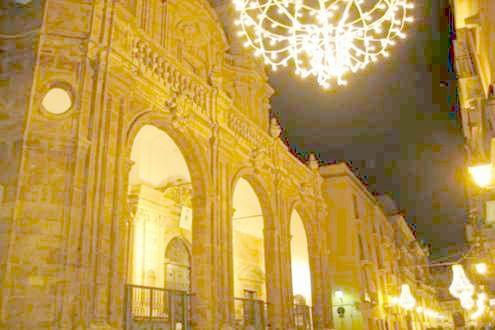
[
  {"x": 144, "y": 185},
  {"x": 473, "y": 35},
  {"x": 375, "y": 253}
]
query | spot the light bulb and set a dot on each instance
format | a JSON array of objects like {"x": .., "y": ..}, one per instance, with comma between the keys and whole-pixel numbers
[{"x": 481, "y": 268}]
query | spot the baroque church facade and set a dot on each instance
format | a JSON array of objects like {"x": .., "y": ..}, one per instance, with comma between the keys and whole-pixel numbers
[{"x": 129, "y": 127}]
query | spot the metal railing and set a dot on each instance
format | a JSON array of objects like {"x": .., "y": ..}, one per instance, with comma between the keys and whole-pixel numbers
[
  {"x": 156, "y": 308},
  {"x": 302, "y": 317},
  {"x": 250, "y": 314}
]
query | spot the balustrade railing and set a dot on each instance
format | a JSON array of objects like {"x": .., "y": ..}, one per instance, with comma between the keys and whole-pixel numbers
[
  {"x": 250, "y": 314},
  {"x": 156, "y": 308},
  {"x": 302, "y": 317}
]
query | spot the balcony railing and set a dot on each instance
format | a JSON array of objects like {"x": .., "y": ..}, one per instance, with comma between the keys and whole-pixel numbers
[
  {"x": 250, "y": 314},
  {"x": 302, "y": 317},
  {"x": 155, "y": 308}
]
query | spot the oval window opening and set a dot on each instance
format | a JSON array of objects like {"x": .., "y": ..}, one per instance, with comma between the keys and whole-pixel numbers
[{"x": 57, "y": 101}]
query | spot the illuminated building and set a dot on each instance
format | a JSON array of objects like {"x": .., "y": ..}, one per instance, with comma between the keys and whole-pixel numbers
[
  {"x": 143, "y": 183},
  {"x": 373, "y": 254},
  {"x": 474, "y": 60}
]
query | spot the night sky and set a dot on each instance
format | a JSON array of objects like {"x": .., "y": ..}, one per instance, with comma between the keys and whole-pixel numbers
[{"x": 395, "y": 124}]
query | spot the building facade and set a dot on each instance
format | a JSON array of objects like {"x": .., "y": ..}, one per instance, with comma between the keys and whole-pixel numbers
[
  {"x": 144, "y": 185},
  {"x": 475, "y": 68},
  {"x": 373, "y": 254}
]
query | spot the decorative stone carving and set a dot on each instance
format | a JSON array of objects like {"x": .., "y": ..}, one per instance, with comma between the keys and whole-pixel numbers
[
  {"x": 313, "y": 162},
  {"x": 178, "y": 191},
  {"x": 275, "y": 128}
]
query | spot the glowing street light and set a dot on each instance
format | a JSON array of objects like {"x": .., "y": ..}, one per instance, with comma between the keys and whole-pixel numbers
[
  {"x": 481, "y": 304},
  {"x": 482, "y": 174},
  {"x": 461, "y": 286},
  {"x": 326, "y": 39},
  {"x": 481, "y": 268}
]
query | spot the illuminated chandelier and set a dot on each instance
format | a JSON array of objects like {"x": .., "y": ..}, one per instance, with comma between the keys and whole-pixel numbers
[
  {"x": 461, "y": 287},
  {"x": 322, "y": 38},
  {"x": 481, "y": 304}
]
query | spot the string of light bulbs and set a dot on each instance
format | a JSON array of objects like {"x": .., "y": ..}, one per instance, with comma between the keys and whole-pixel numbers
[{"x": 326, "y": 39}]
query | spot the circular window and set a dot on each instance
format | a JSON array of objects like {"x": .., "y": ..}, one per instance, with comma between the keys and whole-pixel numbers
[{"x": 57, "y": 101}]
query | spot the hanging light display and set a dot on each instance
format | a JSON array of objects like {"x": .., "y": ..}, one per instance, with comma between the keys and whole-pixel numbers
[
  {"x": 467, "y": 302},
  {"x": 325, "y": 39},
  {"x": 481, "y": 306},
  {"x": 461, "y": 286},
  {"x": 406, "y": 299}
]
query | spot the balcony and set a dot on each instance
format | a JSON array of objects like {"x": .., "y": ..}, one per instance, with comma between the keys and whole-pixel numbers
[
  {"x": 250, "y": 314},
  {"x": 302, "y": 317},
  {"x": 156, "y": 308}
]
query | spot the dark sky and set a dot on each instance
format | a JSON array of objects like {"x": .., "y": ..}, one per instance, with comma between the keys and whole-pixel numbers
[{"x": 395, "y": 124}]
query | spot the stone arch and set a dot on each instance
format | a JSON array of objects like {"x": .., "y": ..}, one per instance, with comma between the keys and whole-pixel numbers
[
  {"x": 174, "y": 242},
  {"x": 193, "y": 151},
  {"x": 298, "y": 206},
  {"x": 261, "y": 189},
  {"x": 273, "y": 283},
  {"x": 178, "y": 264}
]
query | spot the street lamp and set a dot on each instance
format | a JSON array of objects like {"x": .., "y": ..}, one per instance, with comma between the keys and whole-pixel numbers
[
  {"x": 482, "y": 174},
  {"x": 481, "y": 268}
]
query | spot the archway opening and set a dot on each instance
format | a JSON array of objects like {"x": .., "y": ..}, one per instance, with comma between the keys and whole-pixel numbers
[
  {"x": 248, "y": 256},
  {"x": 301, "y": 274},
  {"x": 160, "y": 192}
]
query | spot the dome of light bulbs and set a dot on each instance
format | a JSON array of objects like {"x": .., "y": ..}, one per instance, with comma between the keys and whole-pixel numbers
[{"x": 325, "y": 39}]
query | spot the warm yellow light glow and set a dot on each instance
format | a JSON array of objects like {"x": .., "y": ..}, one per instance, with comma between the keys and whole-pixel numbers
[
  {"x": 492, "y": 302},
  {"x": 339, "y": 294},
  {"x": 57, "y": 101},
  {"x": 406, "y": 299},
  {"x": 301, "y": 274},
  {"x": 481, "y": 268},
  {"x": 467, "y": 302},
  {"x": 326, "y": 39},
  {"x": 482, "y": 174},
  {"x": 481, "y": 306},
  {"x": 301, "y": 280},
  {"x": 461, "y": 286}
]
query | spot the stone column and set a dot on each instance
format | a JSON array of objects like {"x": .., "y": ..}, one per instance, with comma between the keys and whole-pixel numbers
[
  {"x": 286, "y": 271},
  {"x": 273, "y": 277}
]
